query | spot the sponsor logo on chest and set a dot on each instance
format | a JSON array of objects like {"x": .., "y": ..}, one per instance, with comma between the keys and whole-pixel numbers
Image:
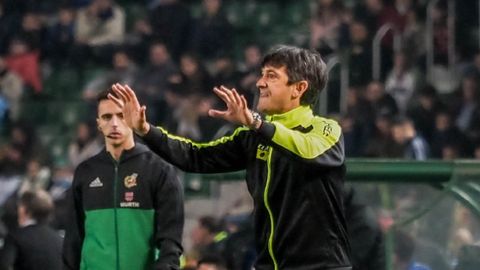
[{"x": 262, "y": 151}]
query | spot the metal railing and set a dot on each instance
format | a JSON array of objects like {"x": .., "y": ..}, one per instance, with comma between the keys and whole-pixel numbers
[
  {"x": 322, "y": 106},
  {"x": 429, "y": 36},
  {"x": 376, "y": 47}
]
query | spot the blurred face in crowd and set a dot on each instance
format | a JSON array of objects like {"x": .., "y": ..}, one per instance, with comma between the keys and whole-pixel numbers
[
  {"x": 188, "y": 65},
  {"x": 358, "y": 32},
  {"x": 200, "y": 236},
  {"x": 398, "y": 134},
  {"x": 402, "y": 132},
  {"x": 18, "y": 47},
  {"x": 158, "y": 54},
  {"x": 83, "y": 132},
  {"x": 111, "y": 123},
  {"x": 469, "y": 87},
  {"x": 65, "y": 16},
  {"x": 374, "y": 91},
  {"x": 442, "y": 121},
  {"x": 31, "y": 21},
  {"x": 276, "y": 94},
  {"x": 252, "y": 56},
  {"x": 211, "y": 6},
  {"x": 121, "y": 60}
]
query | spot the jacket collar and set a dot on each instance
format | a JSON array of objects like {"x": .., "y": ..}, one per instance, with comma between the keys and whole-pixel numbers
[
  {"x": 300, "y": 116},
  {"x": 127, "y": 154}
]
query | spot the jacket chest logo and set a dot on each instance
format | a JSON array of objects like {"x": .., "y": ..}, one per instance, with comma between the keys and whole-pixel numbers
[
  {"x": 96, "y": 183},
  {"x": 130, "y": 180},
  {"x": 262, "y": 151}
]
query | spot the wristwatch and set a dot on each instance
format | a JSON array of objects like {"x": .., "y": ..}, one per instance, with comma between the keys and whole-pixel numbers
[{"x": 257, "y": 120}]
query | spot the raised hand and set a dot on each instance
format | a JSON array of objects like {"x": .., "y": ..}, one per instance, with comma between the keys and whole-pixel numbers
[
  {"x": 237, "y": 109},
  {"x": 133, "y": 113}
]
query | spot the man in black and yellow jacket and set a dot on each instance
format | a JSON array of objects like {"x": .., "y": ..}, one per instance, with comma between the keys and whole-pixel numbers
[
  {"x": 126, "y": 204},
  {"x": 294, "y": 161}
]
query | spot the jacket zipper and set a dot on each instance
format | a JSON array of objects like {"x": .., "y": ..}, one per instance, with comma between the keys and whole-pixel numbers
[
  {"x": 115, "y": 181},
  {"x": 269, "y": 210}
]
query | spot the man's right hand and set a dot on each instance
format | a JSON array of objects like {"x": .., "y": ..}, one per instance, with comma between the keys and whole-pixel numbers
[{"x": 133, "y": 113}]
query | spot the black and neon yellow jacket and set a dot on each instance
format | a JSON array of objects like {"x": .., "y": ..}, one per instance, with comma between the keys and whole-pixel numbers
[
  {"x": 125, "y": 214},
  {"x": 294, "y": 170}
]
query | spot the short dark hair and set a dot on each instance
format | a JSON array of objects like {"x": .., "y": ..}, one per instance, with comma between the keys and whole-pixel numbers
[
  {"x": 104, "y": 95},
  {"x": 301, "y": 64},
  {"x": 38, "y": 204},
  {"x": 209, "y": 223}
]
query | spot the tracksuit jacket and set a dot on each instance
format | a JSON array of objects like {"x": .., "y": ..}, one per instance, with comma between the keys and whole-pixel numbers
[
  {"x": 294, "y": 171},
  {"x": 125, "y": 215}
]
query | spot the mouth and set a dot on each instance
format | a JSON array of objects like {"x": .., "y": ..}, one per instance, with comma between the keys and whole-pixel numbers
[
  {"x": 114, "y": 135},
  {"x": 263, "y": 94}
]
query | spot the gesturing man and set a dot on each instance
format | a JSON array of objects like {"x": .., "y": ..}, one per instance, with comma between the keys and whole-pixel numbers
[{"x": 294, "y": 160}]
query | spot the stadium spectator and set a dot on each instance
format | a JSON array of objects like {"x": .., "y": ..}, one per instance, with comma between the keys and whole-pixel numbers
[
  {"x": 33, "y": 32},
  {"x": 99, "y": 28},
  {"x": 61, "y": 38},
  {"x": 325, "y": 26},
  {"x": 249, "y": 69},
  {"x": 423, "y": 110},
  {"x": 124, "y": 70},
  {"x": 405, "y": 135},
  {"x": 445, "y": 134},
  {"x": 26, "y": 63},
  {"x": 380, "y": 102},
  {"x": 34, "y": 245},
  {"x": 171, "y": 23},
  {"x": 84, "y": 145},
  {"x": 11, "y": 88},
  {"x": 401, "y": 82},
  {"x": 404, "y": 250},
  {"x": 366, "y": 237},
  {"x": 153, "y": 82},
  {"x": 208, "y": 238},
  {"x": 36, "y": 178},
  {"x": 359, "y": 55},
  {"x": 466, "y": 108},
  {"x": 189, "y": 98},
  {"x": 212, "y": 33}
]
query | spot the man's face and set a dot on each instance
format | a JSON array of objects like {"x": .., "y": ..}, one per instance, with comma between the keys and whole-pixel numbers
[
  {"x": 111, "y": 123},
  {"x": 275, "y": 94}
]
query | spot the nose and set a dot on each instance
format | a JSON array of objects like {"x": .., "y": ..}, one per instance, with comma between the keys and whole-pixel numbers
[
  {"x": 261, "y": 83},
  {"x": 115, "y": 121}
]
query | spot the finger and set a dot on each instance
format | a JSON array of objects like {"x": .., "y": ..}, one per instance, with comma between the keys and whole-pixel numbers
[
  {"x": 217, "y": 113},
  {"x": 117, "y": 101},
  {"x": 131, "y": 95},
  {"x": 117, "y": 88},
  {"x": 221, "y": 94},
  {"x": 244, "y": 102},
  {"x": 143, "y": 116},
  {"x": 229, "y": 94},
  {"x": 238, "y": 100}
]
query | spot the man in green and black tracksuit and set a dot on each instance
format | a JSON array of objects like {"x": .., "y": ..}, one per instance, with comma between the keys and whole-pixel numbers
[
  {"x": 126, "y": 205},
  {"x": 294, "y": 161}
]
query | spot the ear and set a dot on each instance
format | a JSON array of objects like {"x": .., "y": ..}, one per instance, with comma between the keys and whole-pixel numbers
[
  {"x": 300, "y": 88},
  {"x": 98, "y": 125}
]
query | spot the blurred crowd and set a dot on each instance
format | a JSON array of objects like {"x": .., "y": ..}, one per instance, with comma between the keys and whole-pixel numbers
[{"x": 172, "y": 53}]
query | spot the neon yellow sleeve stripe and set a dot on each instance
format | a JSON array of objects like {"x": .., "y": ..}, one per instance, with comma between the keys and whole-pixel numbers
[
  {"x": 219, "y": 141},
  {"x": 324, "y": 135}
]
